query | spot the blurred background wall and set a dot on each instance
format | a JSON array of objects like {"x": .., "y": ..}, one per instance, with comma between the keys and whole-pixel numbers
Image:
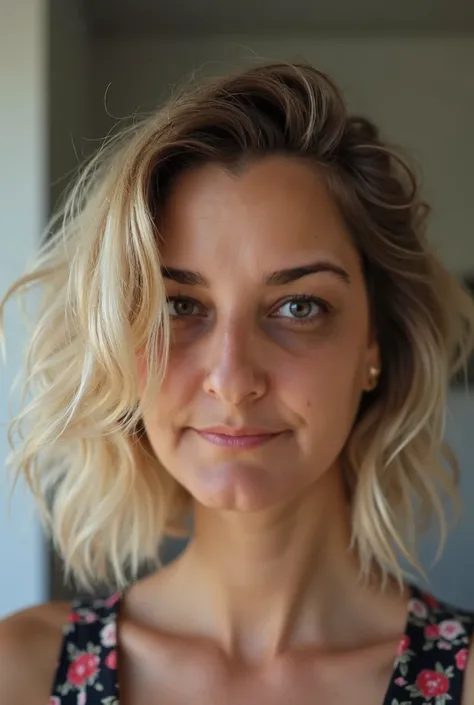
[
  {"x": 73, "y": 70},
  {"x": 23, "y": 207}
]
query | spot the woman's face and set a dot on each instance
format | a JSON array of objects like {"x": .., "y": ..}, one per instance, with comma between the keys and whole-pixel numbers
[{"x": 271, "y": 338}]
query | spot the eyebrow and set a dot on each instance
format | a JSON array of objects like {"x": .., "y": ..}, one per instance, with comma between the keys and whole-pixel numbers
[
  {"x": 184, "y": 276},
  {"x": 286, "y": 276},
  {"x": 278, "y": 278}
]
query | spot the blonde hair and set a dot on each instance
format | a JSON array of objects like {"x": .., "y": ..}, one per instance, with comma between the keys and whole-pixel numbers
[{"x": 79, "y": 441}]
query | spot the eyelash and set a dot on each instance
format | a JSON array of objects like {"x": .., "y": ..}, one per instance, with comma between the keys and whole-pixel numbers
[{"x": 325, "y": 307}]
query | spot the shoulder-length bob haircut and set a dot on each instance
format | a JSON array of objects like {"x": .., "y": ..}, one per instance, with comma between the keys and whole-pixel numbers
[{"x": 79, "y": 440}]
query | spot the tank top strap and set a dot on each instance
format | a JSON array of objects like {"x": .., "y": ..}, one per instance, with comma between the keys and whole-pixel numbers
[
  {"x": 86, "y": 671},
  {"x": 433, "y": 653},
  {"x": 429, "y": 665}
]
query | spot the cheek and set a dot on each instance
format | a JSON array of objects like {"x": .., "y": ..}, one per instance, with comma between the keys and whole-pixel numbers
[
  {"x": 324, "y": 390},
  {"x": 182, "y": 380},
  {"x": 169, "y": 404},
  {"x": 328, "y": 371}
]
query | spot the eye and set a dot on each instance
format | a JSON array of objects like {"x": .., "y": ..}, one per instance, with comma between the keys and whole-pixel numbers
[
  {"x": 302, "y": 309},
  {"x": 182, "y": 307}
]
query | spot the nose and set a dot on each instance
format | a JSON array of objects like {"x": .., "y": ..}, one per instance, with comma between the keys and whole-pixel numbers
[{"x": 233, "y": 373}]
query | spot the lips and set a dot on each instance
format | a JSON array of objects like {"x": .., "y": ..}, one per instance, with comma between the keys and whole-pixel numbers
[
  {"x": 236, "y": 432},
  {"x": 232, "y": 437}
]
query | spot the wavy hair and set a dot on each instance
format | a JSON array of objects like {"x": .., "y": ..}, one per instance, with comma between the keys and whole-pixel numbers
[{"x": 79, "y": 440}]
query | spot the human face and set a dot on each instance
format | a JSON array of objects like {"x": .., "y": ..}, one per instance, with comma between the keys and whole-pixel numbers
[{"x": 279, "y": 358}]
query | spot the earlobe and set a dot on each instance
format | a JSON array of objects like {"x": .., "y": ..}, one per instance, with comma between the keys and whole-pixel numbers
[
  {"x": 374, "y": 374},
  {"x": 373, "y": 369}
]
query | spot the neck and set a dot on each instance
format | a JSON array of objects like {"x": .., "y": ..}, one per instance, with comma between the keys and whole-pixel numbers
[{"x": 271, "y": 580}]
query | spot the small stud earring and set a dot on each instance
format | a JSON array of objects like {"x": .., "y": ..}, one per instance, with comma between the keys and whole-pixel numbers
[{"x": 374, "y": 374}]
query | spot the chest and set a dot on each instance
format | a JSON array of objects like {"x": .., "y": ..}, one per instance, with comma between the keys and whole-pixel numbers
[{"x": 203, "y": 682}]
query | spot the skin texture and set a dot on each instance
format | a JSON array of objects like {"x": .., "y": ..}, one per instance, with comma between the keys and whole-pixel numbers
[
  {"x": 264, "y": 606},
  {"x": 246, "y": 353}
]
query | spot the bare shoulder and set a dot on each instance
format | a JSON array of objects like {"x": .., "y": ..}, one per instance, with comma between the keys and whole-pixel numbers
[
  {"x": 468, "y": 694},
  {"x": 30, "y": 642}
]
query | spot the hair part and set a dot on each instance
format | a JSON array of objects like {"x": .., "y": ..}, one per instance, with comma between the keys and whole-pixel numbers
[{"x": 79, "y": 441}]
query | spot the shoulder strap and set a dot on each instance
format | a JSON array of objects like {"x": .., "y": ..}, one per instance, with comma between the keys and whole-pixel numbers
[
  {"x": 433, "y": 653},
  {"x": 87, "y": 665}
]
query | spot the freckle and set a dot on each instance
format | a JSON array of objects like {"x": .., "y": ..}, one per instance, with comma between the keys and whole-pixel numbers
[{"x": 308, "y": 403}]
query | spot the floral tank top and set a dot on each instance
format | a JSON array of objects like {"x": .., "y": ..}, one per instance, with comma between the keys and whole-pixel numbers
[{"x": 428, "y": 668}]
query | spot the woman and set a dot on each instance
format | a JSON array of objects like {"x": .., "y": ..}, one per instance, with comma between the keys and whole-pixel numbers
[{"x": 242, "y": 323}]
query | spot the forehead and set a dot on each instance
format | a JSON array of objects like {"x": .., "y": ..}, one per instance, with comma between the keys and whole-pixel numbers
[{"x": 276, "y": 212}]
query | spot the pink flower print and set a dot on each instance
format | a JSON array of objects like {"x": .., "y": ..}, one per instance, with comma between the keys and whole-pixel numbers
[
  {"x": 108, "y": 635},
  {"x": 461, "y": 659},
  {"x": 432, "y": 631},
  {"x": 111, "y": 659},
  {"x": 91, "y": 617},
  {"x": 445, "y": 645},
  {"x": 400, "y": 681},
  {"x": 450, "y": 629},
  {"x": 54, "y": 701},
  {"x": 82, "y": 698},
  {"x": 418, "y": 608},
  {"x": 403, "y": 645}
]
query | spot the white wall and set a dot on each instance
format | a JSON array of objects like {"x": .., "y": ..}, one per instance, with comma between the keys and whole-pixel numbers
[
  {"x": 421, "y": 92},
  {"x": 23, "y": 91}
]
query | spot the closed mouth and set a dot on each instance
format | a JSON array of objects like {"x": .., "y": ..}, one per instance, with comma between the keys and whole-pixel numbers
[
  {"x": 237, "y": 438},
  {"x": 242, "y": 432}
]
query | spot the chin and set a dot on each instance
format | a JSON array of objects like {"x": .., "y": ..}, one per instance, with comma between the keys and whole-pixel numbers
[{"x": 236, "y": 486}]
